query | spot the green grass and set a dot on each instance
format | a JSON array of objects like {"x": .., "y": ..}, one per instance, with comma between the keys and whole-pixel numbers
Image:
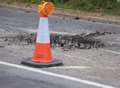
[{"x": 110, "y": 7}]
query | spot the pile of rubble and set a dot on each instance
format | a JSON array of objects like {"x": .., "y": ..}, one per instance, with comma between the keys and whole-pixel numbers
[
  {"x": 82, "y": 41},
  {"x": 75, "y": 41}
]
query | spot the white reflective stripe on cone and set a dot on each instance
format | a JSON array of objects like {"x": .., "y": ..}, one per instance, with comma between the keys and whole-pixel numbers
[{"x": 43, "y": 35}]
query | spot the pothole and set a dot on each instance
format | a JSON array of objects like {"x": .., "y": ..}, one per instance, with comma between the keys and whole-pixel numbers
[{"x": 81, "y": 41}]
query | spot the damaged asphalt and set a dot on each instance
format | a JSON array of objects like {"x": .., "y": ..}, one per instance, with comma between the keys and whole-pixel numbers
[{"x": 94, "y": 64}]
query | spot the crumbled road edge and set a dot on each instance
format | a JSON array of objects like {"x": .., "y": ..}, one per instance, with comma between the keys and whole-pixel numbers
[{"x": 67, "y": 41}]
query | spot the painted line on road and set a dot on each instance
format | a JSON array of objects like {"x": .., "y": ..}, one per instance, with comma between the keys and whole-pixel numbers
[
  {"x": 111, "y": 51},
  {"x": 72, "y": 67},
  {"x": 56, "y": 75}
]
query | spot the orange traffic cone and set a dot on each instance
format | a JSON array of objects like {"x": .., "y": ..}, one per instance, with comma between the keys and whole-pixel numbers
[
  {"x": 43, "y": 55},
  {"x": 42, "y": 52}
]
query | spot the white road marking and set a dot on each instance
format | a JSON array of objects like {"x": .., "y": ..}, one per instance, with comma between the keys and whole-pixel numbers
[
  {"x": 111, "y": 51},
  {"x": 72, "y": 67},
  {"x": 57, "y": 75}
]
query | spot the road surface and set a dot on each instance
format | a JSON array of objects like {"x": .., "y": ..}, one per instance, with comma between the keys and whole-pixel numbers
[
  {"x": 94, "y": 68},
  {"x": 11, "y": 77},
  {"x": 12, "y": 19}
]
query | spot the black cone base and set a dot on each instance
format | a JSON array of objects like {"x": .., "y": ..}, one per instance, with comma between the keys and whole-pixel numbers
[{"x": 28, "y": 62}]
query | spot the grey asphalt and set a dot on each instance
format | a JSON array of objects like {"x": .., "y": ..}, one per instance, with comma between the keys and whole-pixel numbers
[
  {"x": 16, "y": 78},
  {"x": 12, "y": 19},
  {"x": 105, "y": 67}
]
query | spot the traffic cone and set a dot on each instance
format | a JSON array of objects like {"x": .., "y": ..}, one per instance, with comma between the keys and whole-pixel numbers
[
  {"x": 42, "y": 52},
  {"x": 42, "y": 56}
]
